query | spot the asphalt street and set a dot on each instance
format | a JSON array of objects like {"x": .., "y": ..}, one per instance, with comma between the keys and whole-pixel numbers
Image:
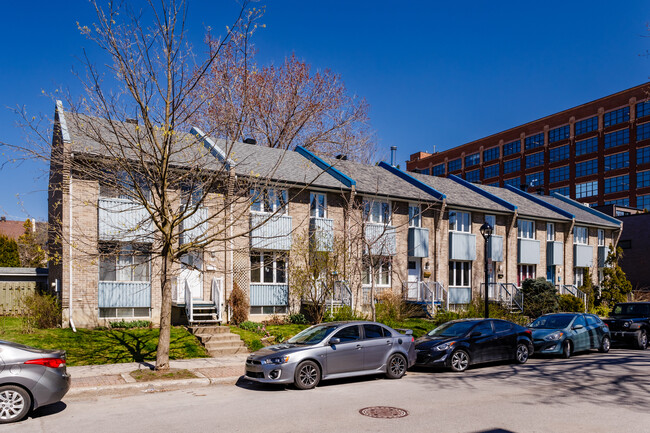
[{"x": 590, "y": 392}]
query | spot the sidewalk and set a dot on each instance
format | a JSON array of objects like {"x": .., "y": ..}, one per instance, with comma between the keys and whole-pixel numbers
[{"x": 116, "y": 376}]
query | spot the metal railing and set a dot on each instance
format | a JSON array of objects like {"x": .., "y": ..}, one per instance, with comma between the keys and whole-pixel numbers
[
  {"x": 189, "y": 304},
  {"x": 216, "y": 296},
  {"x": 341, "y": 294},
  {"x": 570, "y": 289},
  {"x": 432, "y": 293},
  {"x": 506, "y": 294}
]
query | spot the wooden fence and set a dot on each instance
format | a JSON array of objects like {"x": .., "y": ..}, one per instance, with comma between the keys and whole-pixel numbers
[{"x": 11, "y": 294}]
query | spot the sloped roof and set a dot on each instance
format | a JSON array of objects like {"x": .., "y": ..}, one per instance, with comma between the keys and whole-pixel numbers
[
  {"x": 525, "y": 206},
  {"x": 583, "y": 214}
]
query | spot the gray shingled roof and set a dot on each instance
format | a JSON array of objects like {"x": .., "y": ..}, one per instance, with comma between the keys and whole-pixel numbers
[
  {"x": 459, "y": 195},
  {"x": 525, "y": 207},
  {"x": 582, "y": 215}
]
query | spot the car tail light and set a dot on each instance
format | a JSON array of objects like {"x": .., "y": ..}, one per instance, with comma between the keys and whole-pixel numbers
[
  {"x": 412, "y": 339},
  {"x": 529, "y": 332},
  {"x": 48, "y": 362}
]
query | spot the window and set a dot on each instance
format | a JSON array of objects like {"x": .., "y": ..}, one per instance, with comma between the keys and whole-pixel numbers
[
  {"x": 268, "y": 267},
  {"x": 349, "y": 334},
  {"x": 414, "y": 215},
  {"x": 491, "y": 154},
  {"x": 511, "y": 166},
  {"x": 269, "y": 200},
  {"x": 643, "y": 155},
  {"x": 559, "y": 153},
  {"x": 586, "y": 168},
  {"x": 550, "y": 231},
  {"x": 126, "y": 263},
  {"x": 565, "y": 191},
  {"x": 526, "y": 229},
  {"x": 483, "y": 328},
  {"x": 535, "y": 179},
  {"x": 191, "y": 194},
  {"x": 619, "y": 202},
  {"x": 589, "y": 145},
  {"x": 425, "y": 171},
  {"x": 113, "y": 313},
  {"x": 580, "y": 235},
  {"x": 375, "y": 331},
  {"x": 579, "y": 279},
  {"x": 617, "y": 116},
  {"x": 535, "y": 160},
  {"x": 492, "y": 220},
  {"x": 515, "y": 182},
  {"x": 438, "y": 170},
  {"x": 121, "y": 185},
  {"x": 643, "y": 131},
  {"x": 618, "y": 183},
  {"x": 460, "y": 274},
  {"x": 601, "y": 237},
  {"x": 587, "y": 189},
  {"x": 525, "y": 272},
  {"x": 318, "y": 205},
  {"x": 490, "y": 171},
  {"x": 472, "y": 159},
  {"x": 453, "y": 165},
  {"x": 376, "y": 211},
  {"x": 643, "y": 179},
  {"x": 586, "y": 125},
  {"x": 642, "y": 109},
  {"x": 534, "y": 141},
  {"x": 557, "y": 134},
  {"x": 643, "y": 201},
  {"x": 619, "y": 160},
  {"x": 558, "y": 174},
  {"x": 617, "y": 138},
  {"x": 502, "y": 326},
  {"x": 512, "y": 148},
  {"x": 381, "y": 272},
  {"x": 460, "y": 221},
  {"x": 473, "y": 176},
  {"x": 494, "y": 184}
]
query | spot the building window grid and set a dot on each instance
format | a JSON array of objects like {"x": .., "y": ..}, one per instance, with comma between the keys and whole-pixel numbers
[
  {"x": 643, "y": 201},
  {"x": 558, "y": 134},
  {"x": 616, "y": 184},
  {"x": 558, "y": 154},
  {"x": 586, "y": 168},
  {"x": 565, "y": 191},
  {"x": 438, "y": 170},
  {"x": 643, "y": 179},
  {"x": 460, "y": 222},
  {"x": 581, "y": 235},
  {"x": 454, "y": 165},
  {"x": 643, "y": 131},
  {"x": 587, "y": 189},
  {"x": 473, "y": 176},
  {"x": 535, "y": 179},
  {"x": 642, "y": 109},
  {"x": 558, "y": 174},
  {"x": 619, "y": 160},
  {"x": 511, "y": 166},
  {"x": 490, "y": 171},
  {"x": 589, "y": 145},
  {"x": 619, "y": 202},
  {"x": 550, "y": 231},
  {"x": 617, "y": 138},
  {"x": 512, "y": 148},
  {"x": 535, "y": 160},
  {"x": 534, "y": 141},
  {"x": 425, "y": 171},
  {"x": 616, "y": 116},
  {"x": 586, "y": 125},
  {"x": 491, "y": 154},
  {"x": 472, "y": 160},
  {"x": 515, "y": 181},
  {"x": 643, "y": 155}
]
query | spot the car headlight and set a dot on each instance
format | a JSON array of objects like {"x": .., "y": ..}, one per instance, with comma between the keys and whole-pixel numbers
[
  {"x": 554, "y": 336},
  {"x": 444, "y": 346},
  {"x": 626, "y": 325},
  {"x": 276, "y": 360}
]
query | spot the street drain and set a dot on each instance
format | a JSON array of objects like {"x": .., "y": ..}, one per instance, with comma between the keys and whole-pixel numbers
[{"x": 383, "y": 412}]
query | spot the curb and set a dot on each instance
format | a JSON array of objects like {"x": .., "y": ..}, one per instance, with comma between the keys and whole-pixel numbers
[{"x": 155, "y": 385}]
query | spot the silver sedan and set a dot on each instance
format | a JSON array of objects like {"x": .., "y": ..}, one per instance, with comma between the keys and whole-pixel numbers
[{"x": 333, "y": 350}]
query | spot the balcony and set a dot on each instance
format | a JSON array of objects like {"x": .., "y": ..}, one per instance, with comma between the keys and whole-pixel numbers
[
  {"x": 495, "y": 248},
  {"x": 124, "y": 294},
  {"x": 381, "y": 239},
  {"x": 418, "y": 242},
  {"x": 195, "y": 226},
  {"x": 602, "y": 256},
  {"x": 554, "y": 253},
  {"x": 583, "y": 256},
  {"x": 124, "y": 221},
  {"x": 462, "y": 246},
  {"x": 271, "y": 232},
  {"x": 321, "y": 231},
  {"x": 528, "y": 252},
  {"x": 268, "y": 294}
]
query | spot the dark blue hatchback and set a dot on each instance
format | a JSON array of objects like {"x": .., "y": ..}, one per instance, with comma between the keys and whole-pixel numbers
[{"x": 566, "y": 333}]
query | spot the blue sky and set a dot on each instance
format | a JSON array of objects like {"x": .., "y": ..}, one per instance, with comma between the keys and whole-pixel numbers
[{"x": 434, "y": 73}]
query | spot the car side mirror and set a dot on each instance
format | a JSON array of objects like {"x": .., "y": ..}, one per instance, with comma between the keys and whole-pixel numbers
[
  {"x": 578, "y": 327},
  {"x": 475, "y": 334},
  {"x": 409, "y": 332},
  {"x": 334, "y": 341}
]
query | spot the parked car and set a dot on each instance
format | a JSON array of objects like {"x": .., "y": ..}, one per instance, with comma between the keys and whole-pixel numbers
[
  {"x": 29, "y": 378},
  {"x": 333, "y": 350},
  {"x": 629, "y": 323},
  {"x": 566, "y": 333},
  {"x": 461, "y": 343}
]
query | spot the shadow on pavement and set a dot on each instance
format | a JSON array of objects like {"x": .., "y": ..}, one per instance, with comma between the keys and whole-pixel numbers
[
  {"x": 250, "y": 385},
  {"x": 50, "y": 409}
]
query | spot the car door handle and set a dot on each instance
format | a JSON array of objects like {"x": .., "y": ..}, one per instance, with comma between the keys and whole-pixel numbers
[
  {"x": 389, "y": 342},
  {"x": 358, "y": 346}
]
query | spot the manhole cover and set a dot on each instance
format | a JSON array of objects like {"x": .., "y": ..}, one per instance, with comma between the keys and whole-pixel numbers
[{"x": 383, "y": 412}]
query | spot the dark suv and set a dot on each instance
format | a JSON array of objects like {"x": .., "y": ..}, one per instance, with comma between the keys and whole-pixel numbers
[{"x": 629, "y": 323}]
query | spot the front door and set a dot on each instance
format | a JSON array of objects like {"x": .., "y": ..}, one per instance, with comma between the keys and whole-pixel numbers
[
  {"x": 413, "y": 281},
  {"x": 192, "y": 275}
]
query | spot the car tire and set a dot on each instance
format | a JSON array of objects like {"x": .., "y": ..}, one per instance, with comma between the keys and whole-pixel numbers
[
  {"x": 459, "y": 360},
  {"x": 567, "y": 349},
  {"x": 15, "y": 403},
  {"x": 396, "y": 366},
  {"x": 641, "y": 339},
  {"x": 522, "y": 353},
  {"x": 307, "y": 375},
  {"x": 605, "y": 344}
]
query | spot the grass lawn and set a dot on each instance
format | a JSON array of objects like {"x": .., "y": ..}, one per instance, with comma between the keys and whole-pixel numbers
[{"x": 103, "y": 346}]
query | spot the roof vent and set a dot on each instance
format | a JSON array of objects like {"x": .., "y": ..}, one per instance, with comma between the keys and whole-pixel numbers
[
  {"x": 250, "y": 141},
  {"x": 342, "y": 157},
  {"x": 393, "y": 150}
]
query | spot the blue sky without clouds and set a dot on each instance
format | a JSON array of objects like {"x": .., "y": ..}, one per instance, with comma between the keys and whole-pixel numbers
[{"x": 434, "y": 73}]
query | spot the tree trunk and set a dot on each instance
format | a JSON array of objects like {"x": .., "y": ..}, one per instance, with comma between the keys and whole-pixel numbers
[{"x": 162, "y": 354}]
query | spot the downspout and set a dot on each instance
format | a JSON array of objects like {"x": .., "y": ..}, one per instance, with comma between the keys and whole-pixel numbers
[
  {"x": 70, "y": 253},
  {"x": 513, "y": 222}
]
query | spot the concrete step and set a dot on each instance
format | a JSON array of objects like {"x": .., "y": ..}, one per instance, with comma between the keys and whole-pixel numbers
[
  {"x": 212, "y": 329},
  {"x": 219, "y": 338},
  {"x": 227, "y": 350}
]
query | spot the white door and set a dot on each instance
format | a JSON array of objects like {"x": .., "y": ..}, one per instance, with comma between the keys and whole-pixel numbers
[
  {"x": 192, "y": 274},
  {"x": 413, "y": 281}
]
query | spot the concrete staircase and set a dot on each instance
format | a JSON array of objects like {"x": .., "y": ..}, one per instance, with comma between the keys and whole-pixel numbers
[{"x": 218, "y": 340}]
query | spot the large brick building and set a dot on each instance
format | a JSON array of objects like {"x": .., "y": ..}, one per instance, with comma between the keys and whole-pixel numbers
[{"x": 597, "y": 153}]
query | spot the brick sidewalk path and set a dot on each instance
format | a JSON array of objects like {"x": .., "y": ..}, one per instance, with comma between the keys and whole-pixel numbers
[
  {"x": 226, "y": 371},
  {"x": 106, "y": 380}
]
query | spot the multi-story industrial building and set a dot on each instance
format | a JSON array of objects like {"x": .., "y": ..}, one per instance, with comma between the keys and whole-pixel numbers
[{"x": 597, "y": 153}]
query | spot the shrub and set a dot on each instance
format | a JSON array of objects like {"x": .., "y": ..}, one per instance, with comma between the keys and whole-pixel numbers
[
  {"x": 297, "y": 319},
  {"x": 540, "y": 297},
  {"x": 343, "y": 313},
  {"x": 238, "y": 304},
  {"x": 255, "y": 345},
  {"x": 123, "y": 324},
  {"x": 249, "y": 326},
  {"x": 42, "y": 312},
  {"x": 571, "y": 304},
  {"x": 391, "y": 308},
  {"x": 444, "y": 316},
  {"x": 601, "y": 310},
  {"x": 275, "y": 320}
]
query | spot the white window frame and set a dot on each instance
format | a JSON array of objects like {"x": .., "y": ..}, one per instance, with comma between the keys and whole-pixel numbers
[
  {"x": 578, "y": 276},
  {"x": 601, "y": 237},
  {"x": 318, "y": 204},
  {"x": 124, "y": 263},
  {"x": 458, "y": 269},
  {"x": 526, "y": 271},
  {"x": 464, "y": 218},
  {"x": 550, "y": 231},
  {"x": 415, "y": 215},
  {"x": 525, "y": 229},
  {"x": 382, "y": 269},
  {"x": 581, "y": 235},
  {"x": 276, "y": 200},
  {"x": 377, "y": 211},
  {"x": 275, "y": 256}
]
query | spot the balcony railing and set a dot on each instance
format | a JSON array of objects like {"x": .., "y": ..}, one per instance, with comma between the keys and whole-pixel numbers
[
  {"x": 381, "y": 239},
  {"x": 462, "y": 246},
  {"x": 583, "y": 256},
  {"x": 124, "y": 221},
  {"x": 124, "y": 294},
  {"x": 268, "y": 294},
  {"x": 418, "y": 242},
  {"x": 554, "y": 253},
  {"x": 271, "y": 232},
  {"x": 528, "y": 252},
  {"x": 321, "y": 231},
  {"x": 195, "y": 226}
]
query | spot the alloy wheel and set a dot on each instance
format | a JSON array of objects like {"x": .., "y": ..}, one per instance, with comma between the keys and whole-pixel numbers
[
  {"x": 12, "y": 405},
  {"x": 522, "y": 353},
  {"x": 459, "y": 360},
  {"x": 308, "y": 375},
  {"x": 397, "y": 366}
]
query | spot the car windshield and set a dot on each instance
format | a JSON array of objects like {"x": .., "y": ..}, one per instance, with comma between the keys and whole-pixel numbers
[
  {"x": 451, "y": 329},
  {"x": 552, "y": 322},
  {"x": 312, "y": 335}
]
